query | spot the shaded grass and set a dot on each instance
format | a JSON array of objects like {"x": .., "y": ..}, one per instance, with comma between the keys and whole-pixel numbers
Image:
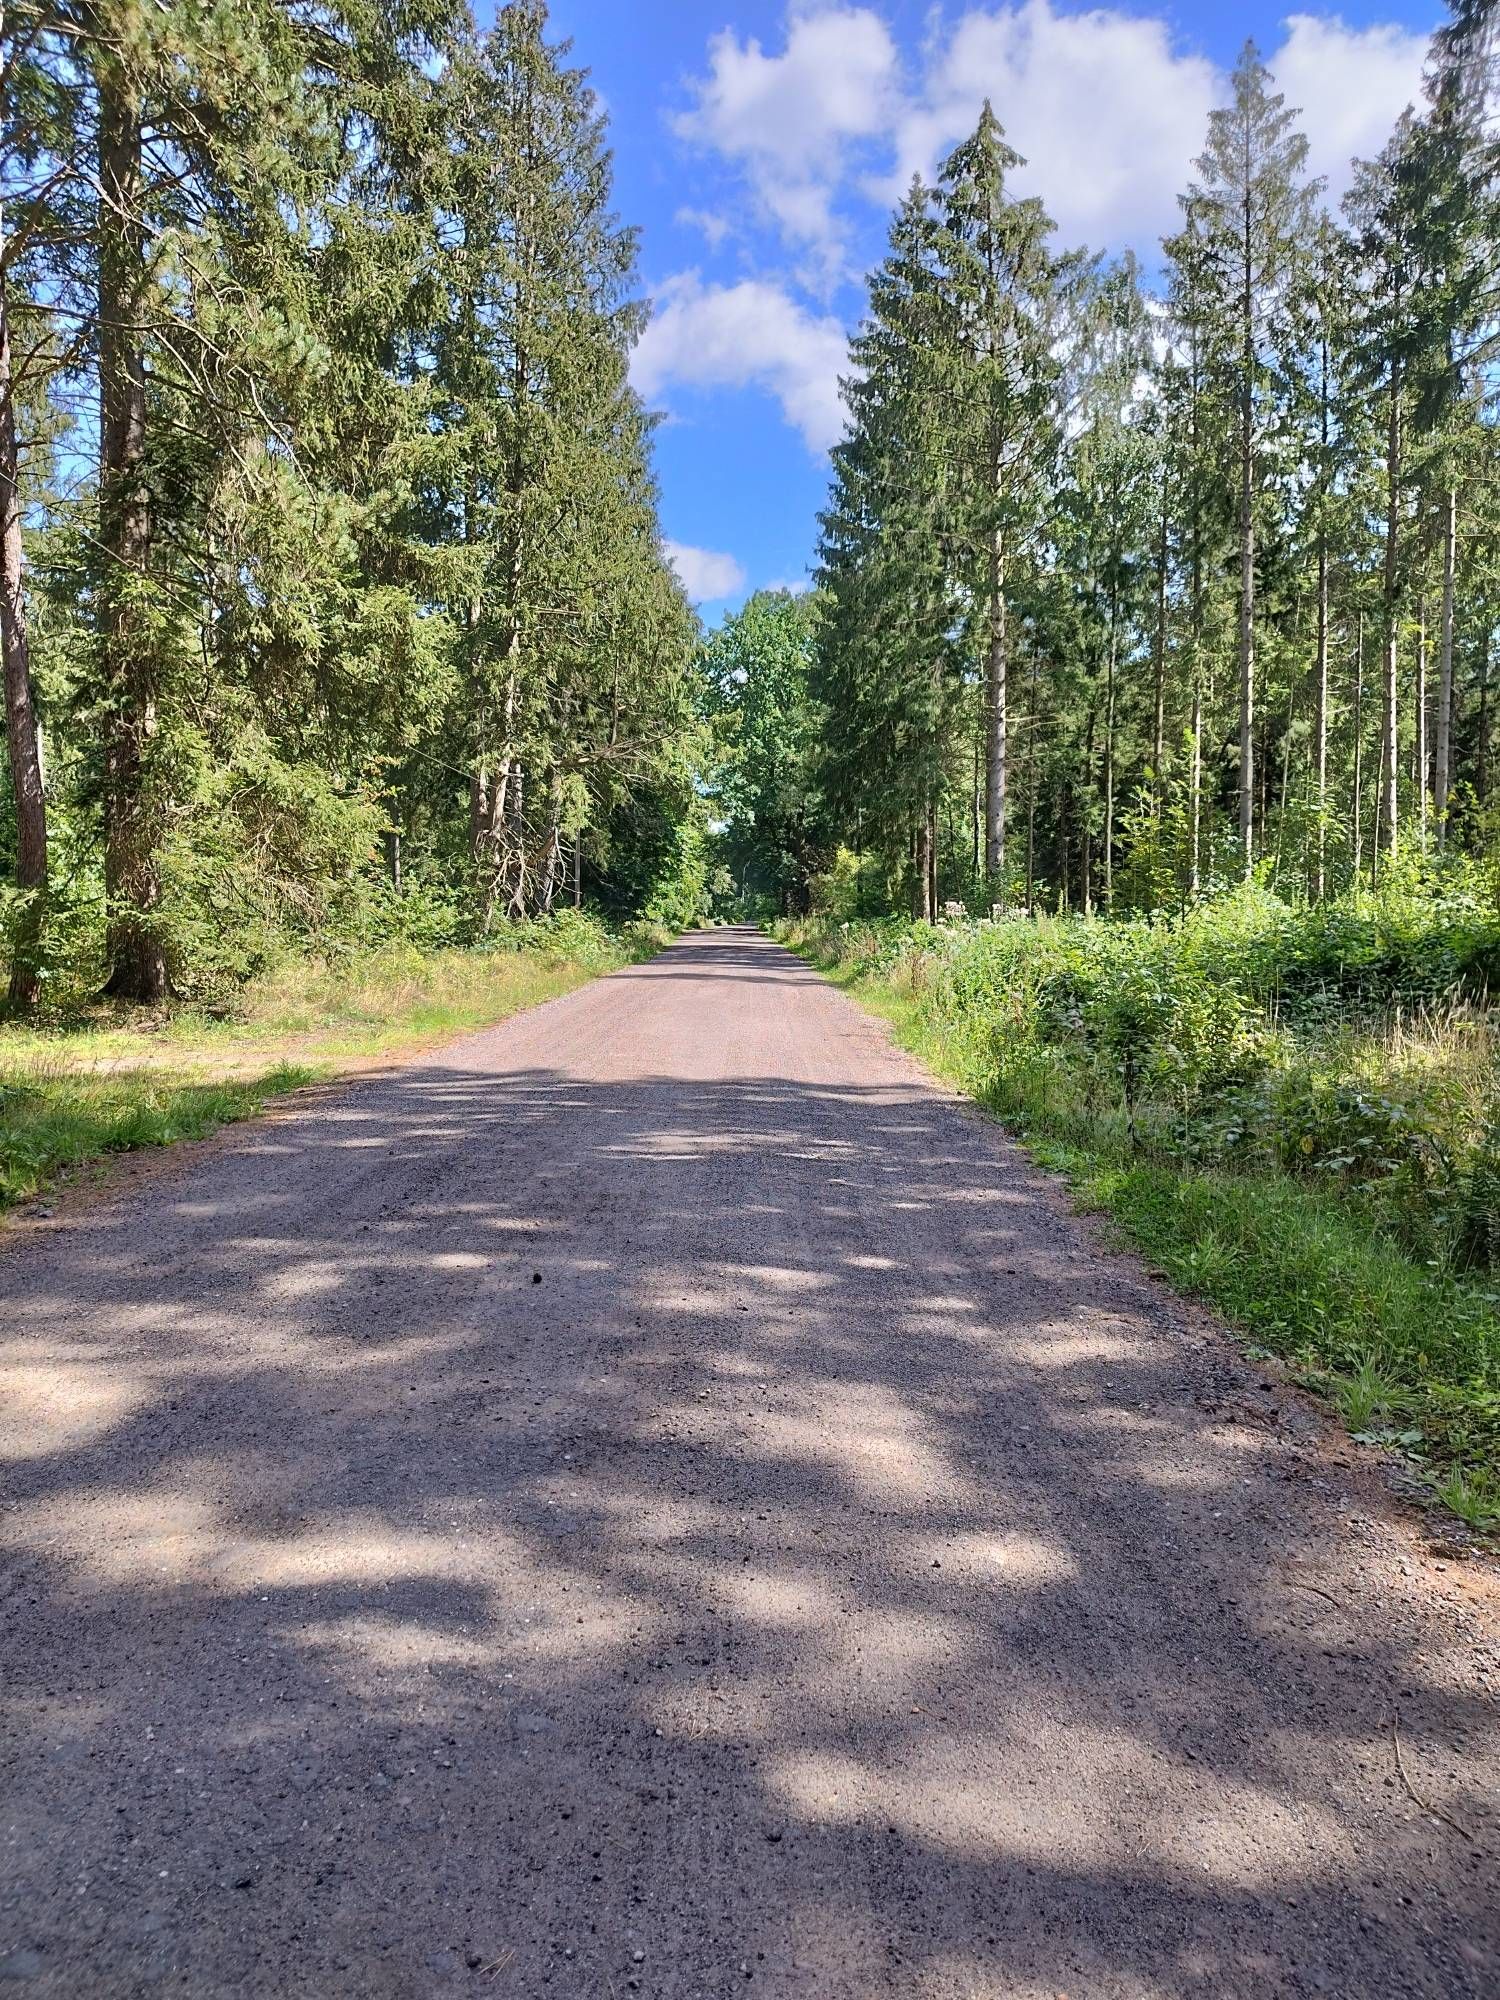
[
  {"x": 1410, "y": 1354},
  {"x": 115, "y": 1080}
]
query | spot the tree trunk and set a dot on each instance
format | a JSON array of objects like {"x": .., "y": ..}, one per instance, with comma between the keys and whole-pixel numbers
[
  {"x": 1391, "y": 612},
  {"x": 1357, "y": 829},
  {"x": 994, "y": 733},
  {"x": 1195, "y": 790},
  {"x": 1320, "y": 728},
  {"x": 922, "y": 845},
  {"x": 1159, "y": 705},
  {"x": 1482, "y": 761},
  {"x": 22, "y": 735},
  {"x": 1247, "y": 562},
  {"x": 1420, "y": 755},
  {"x": 978, "y": 800},
  {"x": 1109, "y": 757},
  {"x": 1442, "y": 774},
  {"x": 133, "y": 809},
  {"x": 578, "y": 870},
  {"x": 489, "y": 798},
  {"x": 1085, "y": 834},
  {"x": 552, "y": 865},
  {"x": 1031, "y": 742},
  {"x": 514, "y": 821}
]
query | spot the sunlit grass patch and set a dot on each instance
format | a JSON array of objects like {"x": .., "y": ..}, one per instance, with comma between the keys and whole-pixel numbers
[
  {"x": 52, "y": 1119},
  {"x": 114, "y": 1080}
]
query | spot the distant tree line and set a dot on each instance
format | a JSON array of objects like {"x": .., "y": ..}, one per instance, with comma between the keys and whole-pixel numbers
[{"x": 329, "y": 523}]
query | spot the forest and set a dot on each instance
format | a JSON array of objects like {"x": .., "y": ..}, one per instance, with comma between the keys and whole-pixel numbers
[
  {"x": 334, "y": 605},
  {"x": 1135, "y": 586}
]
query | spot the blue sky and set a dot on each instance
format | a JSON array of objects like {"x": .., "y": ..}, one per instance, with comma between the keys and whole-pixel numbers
[{"x": 758, "y": 147}]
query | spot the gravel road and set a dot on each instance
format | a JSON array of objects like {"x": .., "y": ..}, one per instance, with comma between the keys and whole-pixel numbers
[{"x": 659, "y": 1498}]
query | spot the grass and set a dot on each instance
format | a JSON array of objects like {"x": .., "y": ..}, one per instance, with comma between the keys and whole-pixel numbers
[
  {"x": 1408, "y": 1350},
  {"x": 114, "y": 1080}
]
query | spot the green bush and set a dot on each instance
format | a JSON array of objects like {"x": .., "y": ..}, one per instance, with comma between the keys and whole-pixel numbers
[{"x": 1298, "y": 1110}]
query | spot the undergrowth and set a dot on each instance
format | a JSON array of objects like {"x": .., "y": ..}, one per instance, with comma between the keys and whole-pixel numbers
[{"x": 1295, "y": 1114}]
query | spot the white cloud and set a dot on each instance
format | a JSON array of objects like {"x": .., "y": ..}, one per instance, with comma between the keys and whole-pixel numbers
[
  {"x": 1107, "y": 114},
  {"x": 705, "y": 574},
  {"x": 1108, "y": 107},
  {"x": 1350, "y": 85},
  {"x": 789, "y": 119},
  {"x": 714, "y": 227},
  {"x": 749, "y": 335}
]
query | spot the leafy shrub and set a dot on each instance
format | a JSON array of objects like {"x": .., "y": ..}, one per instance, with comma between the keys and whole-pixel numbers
[{"x": 1320, "y": 1042}]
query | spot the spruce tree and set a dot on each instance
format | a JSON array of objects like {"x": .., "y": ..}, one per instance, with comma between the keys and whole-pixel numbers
[
  {"x": 996, "y": 373},
  {"x": 539, "y": 482},
  {"x": 1252, "y": 208},
  {"x": 888, "y": 665}
]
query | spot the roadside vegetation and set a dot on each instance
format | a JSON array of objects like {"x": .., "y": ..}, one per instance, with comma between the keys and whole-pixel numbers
[
  {"x": 100, "y": 1080},
  {"x": 1294, "y": 1113}
]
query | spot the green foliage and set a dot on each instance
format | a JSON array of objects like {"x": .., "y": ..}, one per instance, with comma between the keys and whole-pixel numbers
[
  {"x": 1295, "y": 1110},
  {"x": 760, "y": 780},
  {"x": 365, "y": 624}
]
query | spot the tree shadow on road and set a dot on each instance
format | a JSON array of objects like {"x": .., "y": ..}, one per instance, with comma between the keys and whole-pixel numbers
[{"x": 517, "y": 1534}]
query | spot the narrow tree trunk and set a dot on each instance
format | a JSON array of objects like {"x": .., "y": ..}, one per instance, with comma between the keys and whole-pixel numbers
[
  {"x": 1391, "y": 611},
  {"x": 552, "y": 859},
  {"x": 1320, "y": 693},
  {"x": 1159, "y": 704},
  {"x": 933, "y": 906},
  {"x": 1442, "y": 775},
  {"x": 1247, "y": 562},
  {"x": 578, "y": 870},
  {"x": 1109, "y": 757},
  {"x": 132, "y": 809},
  {"x": 1064, "y": 857},
  {"x": 490, "y": 797},
  {"x": 1031, "y": 742},
  {"x": 22, "y": 735},
  {"x": 1420, "y": 757},
  {"x": 1320, "y": 728},
  {"x": 517, "y": 869},
  {"x": 1085, "y": 834},
  {"x": 1195, "y": 776},
  {"x": 1195, "y": 790},
  {"x": 978, "y": 798},
  {"x": 995, "y": 718},
  {"x": 1357, "y": 829},
  {"x": 1482, "y": 761}
]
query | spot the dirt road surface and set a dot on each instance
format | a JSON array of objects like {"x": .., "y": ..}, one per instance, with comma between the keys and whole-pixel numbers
[{"x": 659, "y": 1498}]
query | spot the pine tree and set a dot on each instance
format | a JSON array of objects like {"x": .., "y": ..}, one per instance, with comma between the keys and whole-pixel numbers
[
  {"x": 183, "y": 151},
  {"x": 1382, "y": 207}
]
